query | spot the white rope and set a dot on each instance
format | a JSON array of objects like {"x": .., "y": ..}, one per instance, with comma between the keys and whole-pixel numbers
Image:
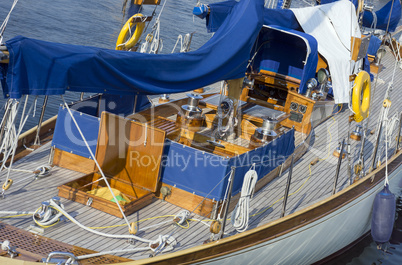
[
  {"x": 21, "y": 126},
  {"x": 183, "y": 215},
  {"x": 16, "y": 212},
  {"x": 179, "y": 38},
  {"x": 153, "y": 37},
  {"x": 10, "y": 135},
  {"x": 184, "y": 42},
  {"x": 4, "y": 24},
  {"x": 163, "y": 244},
  {"x": 14, "y": 146},
  {"x": 392, "y": 123},
  {"x": 240, "y": 214},
  {"x": 9, "y": 128},
  {"x": 157, "y": 43},
  {"x": 52, "y": 203},
  {"x": 96, "y": 162}
]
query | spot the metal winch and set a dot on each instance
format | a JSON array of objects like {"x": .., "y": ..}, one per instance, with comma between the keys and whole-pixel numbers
[
  {"x": 191, "y": 109},
  {"x": 190, "y": 115},
  {"x": 265, "y": 133}
]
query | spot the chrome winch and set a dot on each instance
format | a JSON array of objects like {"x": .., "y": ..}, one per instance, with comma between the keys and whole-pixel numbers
[
  {"x": 190, "y": 115},
  {"x": 265, "y": 133},
  {"x": 191, "y": 109}
]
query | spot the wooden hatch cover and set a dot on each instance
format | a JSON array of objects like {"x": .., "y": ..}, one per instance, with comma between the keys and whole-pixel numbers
[{"x": 130, "y": 151}]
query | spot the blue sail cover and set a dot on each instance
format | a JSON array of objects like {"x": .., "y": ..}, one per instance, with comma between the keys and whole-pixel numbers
[
  {"x": 43, "y": 68},
  {"x": 279, "y": 17},
  {"x": 392, "y": 8}
]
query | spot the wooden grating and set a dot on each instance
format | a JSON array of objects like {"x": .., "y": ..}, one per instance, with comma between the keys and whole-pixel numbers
[
  {"x": 34, "y": 247},
  {"x": 165, "y": 124}
]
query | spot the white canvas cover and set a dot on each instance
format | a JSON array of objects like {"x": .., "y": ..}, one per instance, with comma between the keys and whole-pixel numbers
[{"x": 333, "y": 25}]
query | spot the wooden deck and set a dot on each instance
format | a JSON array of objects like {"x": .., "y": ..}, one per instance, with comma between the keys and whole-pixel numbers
[{"x": 26, "y": 194}]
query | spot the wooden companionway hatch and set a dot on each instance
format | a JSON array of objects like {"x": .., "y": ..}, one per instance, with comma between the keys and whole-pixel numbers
[{"x": 129, "y": 154}]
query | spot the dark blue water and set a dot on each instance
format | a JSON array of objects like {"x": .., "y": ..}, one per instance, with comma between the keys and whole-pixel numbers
[{"x": 98, "y": 23}]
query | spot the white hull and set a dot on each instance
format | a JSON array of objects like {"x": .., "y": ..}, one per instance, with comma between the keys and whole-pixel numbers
[{"x": 317, "y": 240}]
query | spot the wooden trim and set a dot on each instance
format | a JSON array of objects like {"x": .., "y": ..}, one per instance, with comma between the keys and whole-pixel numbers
[
  {"x": 47, "y": 127},
  {"x": 6, "y": 56},
  {"x": 188, "y": 200},
  {"x": 355, "y": 44},
  {"x": 147, "y": 2},
  {"x": 197, "y": 138},
  {"x": 280, "y": 80},
  {"x": 305, "y": 125},
  {"x": 139, "y": 197},
  {"x": 322, "y": 63},
  {"x": 73, "y": 162}
]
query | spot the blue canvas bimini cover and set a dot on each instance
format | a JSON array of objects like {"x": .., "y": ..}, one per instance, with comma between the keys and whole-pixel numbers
[
  {"x": 43, "y": 68},
  {"x": 287, "y": 52}
]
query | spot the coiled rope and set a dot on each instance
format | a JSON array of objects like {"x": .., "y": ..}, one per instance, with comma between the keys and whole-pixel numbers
[{"x": 240, "y": 215}]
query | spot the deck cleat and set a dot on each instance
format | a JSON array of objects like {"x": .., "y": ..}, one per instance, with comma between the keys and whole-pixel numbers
[
  {"x": 5, "y": 246},
  {"x": 164, "y": 98},
  {"x": 337, "y": 152},
  {"x": 357, "y": 133}
]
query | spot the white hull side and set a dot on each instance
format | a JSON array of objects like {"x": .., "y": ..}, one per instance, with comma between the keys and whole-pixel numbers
[{"x": 317, "y": 240}]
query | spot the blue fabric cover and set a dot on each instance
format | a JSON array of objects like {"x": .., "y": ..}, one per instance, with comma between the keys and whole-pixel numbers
[
  {"x": 284, "y": 51},
  {"x": 119, "y": 105},
  {"x": 66, "y": 136},
  {"x": 200, "y": 11},
  {"x": 43, "y": 68},
  {"x": 383, "y": 16},
  {"x": 383, "y": 216},
  {"x": 88, "y": 106},
  {"x": 374, "y": 45},
  {"x": 218, "y": 13},
  {"x": 204, "y": 174},
  {"x": 193, "y": 170},
  {"x": 280, "y": 4},
  {"x": 266, "y": 159},
  {"x": 280, "y": 17}
]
